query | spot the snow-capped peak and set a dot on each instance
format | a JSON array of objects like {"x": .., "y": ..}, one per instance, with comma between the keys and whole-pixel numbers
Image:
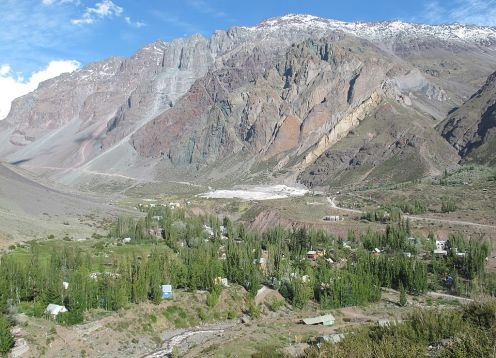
[{"x": 383, "y": 31}]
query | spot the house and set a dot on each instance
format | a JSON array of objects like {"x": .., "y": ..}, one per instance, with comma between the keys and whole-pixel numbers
[
  {"x": 441, "y": 244},
  {"x": 53, "y": 310},
  {"x": 166, "y": 291},
  {"x": 173, "y": 205},
  {"x": 331, "y": 218},
  {"x": 314, "y": 254},
  {"x": 326, "y": 320},
  {"x": 221, "y": 281}
]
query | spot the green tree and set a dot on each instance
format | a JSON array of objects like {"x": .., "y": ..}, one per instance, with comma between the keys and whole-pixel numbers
[
  {"x": 6, "y": 338},
  {"x": 403, "y": 300}
]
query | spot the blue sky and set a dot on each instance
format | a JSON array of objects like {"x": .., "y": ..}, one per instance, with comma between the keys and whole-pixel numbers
[{"x": 42, "y": 38}]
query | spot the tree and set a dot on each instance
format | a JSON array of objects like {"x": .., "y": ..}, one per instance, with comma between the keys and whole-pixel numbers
[
  {"x": 6, "y": 338},
  {"x": 403, "y": 300}
]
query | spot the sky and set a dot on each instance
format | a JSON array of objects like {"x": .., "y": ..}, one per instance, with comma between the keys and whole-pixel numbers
[{"x": 40, "y": 39}]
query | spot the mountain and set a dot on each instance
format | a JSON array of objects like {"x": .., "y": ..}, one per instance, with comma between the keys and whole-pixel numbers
[
  {"x": 471, "y": 128},
  {"x": 294, "y": 98}
]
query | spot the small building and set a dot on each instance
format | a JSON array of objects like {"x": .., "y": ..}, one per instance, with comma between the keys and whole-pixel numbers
[
  {"x": 440, "y": 252},
  {"x": 126, "y": 240},
  {"x": 54, "y": 310},
  {"x": 65, "y": 285},
  {"x": 441, "y": 244},
  {"x": 314, "y": 254},
  {"x": 221, "y": 281},
  {"x": 326, "y": 320},
  {"x": 166, "y": 291},
  {"x": 331, "y": 218}
]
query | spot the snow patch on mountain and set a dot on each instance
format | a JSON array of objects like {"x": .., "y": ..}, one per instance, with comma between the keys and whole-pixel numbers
[{"x": 382, "y": 31}]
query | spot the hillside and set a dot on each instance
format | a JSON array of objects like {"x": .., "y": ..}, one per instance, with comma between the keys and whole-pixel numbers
[
  {"x": 293, "y": 98},
  {"x": 33, "y": 208},
  {"x": 471, "y": 128}
]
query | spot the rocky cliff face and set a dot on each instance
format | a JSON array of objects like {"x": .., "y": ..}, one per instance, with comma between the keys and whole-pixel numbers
[
  {"x": 471, "y": 128},
  {"x": 278, "y": 97}
]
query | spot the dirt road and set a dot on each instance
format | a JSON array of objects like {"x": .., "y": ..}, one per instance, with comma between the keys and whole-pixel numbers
[{"x": 333, "y": 204}]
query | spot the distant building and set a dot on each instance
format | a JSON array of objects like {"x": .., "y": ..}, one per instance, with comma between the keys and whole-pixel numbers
[
  {"x": 441, "y": 244},
  {"x": 314, "y": 254},
  {"x": 331, "y": 218},
  {"x": 54, "y": 310},
  {"x": 440, "y": 252},
  {"x": 221, "y": 281},
  {"x": 326, "y": 320},
  {"x": 166, "y": 291}
]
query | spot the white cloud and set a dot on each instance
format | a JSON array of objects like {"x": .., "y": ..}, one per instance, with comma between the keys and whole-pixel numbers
[
  {"x": 13, "y": 85},
  {"x": 204, "y": 8},
  {"x": 103, "y": 9},
  {"x": 476, "y": 12},
  {"x": 60, "y": 2},
  {"x": 136, "y": 24}
]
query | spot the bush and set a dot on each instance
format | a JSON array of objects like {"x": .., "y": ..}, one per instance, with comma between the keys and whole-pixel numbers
[
  {"x": 276, "y": 304},
  {"x": 6, "y": 338}
]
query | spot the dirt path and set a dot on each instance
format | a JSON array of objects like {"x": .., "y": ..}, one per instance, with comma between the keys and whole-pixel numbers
[
  {"x": 333, "y": 204},
  {"x": 451, "y": 297},
  {"x": 189, "y": 336}
]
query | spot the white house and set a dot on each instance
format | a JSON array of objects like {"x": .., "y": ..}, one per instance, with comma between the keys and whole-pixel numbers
[
  {"x": 166, "y": 291},
  {"x": 441, "y": 244},
  {"x": 54, "y": 310}
]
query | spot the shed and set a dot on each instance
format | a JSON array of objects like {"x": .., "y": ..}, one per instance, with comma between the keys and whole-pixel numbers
[
  {"x": 326, "y": 320},
  {"x": 166, "y": 291},
  {"x": 331, "y": 218},
  {"x": 54, "y": 310}
]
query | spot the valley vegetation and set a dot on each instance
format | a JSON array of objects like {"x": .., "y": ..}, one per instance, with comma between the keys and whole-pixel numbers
[{"x": 169, "y": 246}]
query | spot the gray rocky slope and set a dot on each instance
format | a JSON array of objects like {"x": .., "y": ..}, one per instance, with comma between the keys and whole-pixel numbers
[
  {"x": 471, "y": 128},
  {"x": 300, "y": 97}
]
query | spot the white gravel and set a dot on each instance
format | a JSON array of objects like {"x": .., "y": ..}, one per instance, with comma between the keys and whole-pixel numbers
[{"x": 257, "y": 193}]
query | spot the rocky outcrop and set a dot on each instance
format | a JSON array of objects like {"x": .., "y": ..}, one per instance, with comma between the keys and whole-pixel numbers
[
  {"x": 279, "y": 97},
  {"x": 471, "y": 128}
]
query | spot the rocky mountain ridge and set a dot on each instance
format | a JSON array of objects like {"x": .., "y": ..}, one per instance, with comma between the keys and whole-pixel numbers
[
  {"x": 471, "y": 128},
  {"x": 274, "y": 98}
]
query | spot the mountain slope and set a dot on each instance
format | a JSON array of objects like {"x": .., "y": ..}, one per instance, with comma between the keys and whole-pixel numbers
[
  {"x": 471, "y": 129},
  {"x": 262, "y": 101}
]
